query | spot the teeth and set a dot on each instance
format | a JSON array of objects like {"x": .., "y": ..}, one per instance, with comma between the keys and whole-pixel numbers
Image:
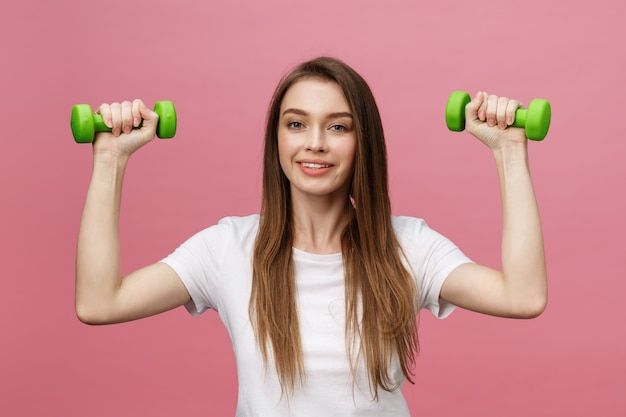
[{"x": 314, "y": 166}]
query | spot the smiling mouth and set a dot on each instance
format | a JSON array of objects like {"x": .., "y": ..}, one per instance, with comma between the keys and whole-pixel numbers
[{"x": 314, "y": 166}]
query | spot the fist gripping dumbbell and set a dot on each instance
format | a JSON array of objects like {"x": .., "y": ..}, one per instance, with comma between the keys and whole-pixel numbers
[
  {"x": 535, "y": 120},
  {"x": 85, "y": 124}
]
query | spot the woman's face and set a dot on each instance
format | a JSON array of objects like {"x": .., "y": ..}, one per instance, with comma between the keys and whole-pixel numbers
[{"x": 316, "y": 139}]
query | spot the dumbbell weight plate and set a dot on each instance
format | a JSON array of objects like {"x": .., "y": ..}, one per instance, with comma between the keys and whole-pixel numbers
[
  {"x": 82, "y": 123},
  {"x": 455, "y": 110},
  {"x": 538, "y": 118},
  {"x": 166, "y": 128}
]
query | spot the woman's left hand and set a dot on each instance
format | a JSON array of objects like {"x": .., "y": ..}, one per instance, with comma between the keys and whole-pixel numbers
[{"x": 489, "y": 117}]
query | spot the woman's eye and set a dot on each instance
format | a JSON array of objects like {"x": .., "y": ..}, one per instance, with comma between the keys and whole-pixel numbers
[
  {"x": 295, "y": 125},
  {"x": 339, "y": 128}
]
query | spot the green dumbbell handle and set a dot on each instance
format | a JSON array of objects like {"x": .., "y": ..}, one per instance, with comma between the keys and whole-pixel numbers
[
  {"x": 100, "y": 126},
  {"x": 85, "y": 124},
  {"x": 535, "y": 120}
]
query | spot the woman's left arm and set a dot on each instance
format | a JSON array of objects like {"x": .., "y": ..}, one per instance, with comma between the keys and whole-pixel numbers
[{"x": 520, "y": 289}]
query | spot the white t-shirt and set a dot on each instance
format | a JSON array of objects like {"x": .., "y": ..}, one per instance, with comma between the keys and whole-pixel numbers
[{"x": 216, "y": 267}]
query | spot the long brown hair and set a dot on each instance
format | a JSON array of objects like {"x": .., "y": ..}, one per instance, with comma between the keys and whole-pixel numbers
[{"x": 381, "y": 296}]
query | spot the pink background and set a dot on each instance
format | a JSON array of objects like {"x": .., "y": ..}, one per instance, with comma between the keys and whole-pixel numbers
[{"x": 219, "y": 61}]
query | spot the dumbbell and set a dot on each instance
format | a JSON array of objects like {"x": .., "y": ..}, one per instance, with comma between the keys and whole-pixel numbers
[
  {"x": 85, "y": 124},
  {"x": 535, "y": 120}
]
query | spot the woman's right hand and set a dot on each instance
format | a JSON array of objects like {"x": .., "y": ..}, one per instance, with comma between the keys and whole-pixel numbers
[{"x": 122, "y": 118}]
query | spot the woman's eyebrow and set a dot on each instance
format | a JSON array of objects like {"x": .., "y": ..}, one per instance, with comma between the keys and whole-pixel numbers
[
  {"x": 295, "y": 111},
  {"x": 340, "y": 114},
  {"x": 334, "y": 115}
]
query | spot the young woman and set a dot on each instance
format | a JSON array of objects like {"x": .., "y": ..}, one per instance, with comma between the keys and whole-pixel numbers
[{"x": 320, "y": 291}]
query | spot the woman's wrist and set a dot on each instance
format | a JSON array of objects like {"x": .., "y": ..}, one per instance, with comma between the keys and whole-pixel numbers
[
  {"x": 512, "y": 152},
  {"x": 110, "y": 159}
]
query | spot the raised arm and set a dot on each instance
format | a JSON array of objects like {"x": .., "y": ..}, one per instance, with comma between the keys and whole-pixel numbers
[
  {"x": 102, "y": 294},
  {"x": 520, "y": 289}
]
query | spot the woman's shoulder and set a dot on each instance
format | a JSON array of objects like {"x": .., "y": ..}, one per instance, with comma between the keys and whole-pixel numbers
[
  {"x": 251, "y": 220},
  {"x": 403, "y": 224},
  {"x": 231, "y": 228},
  {"x": 413, "y": 230},
  {"x": 240, "y": 226}
]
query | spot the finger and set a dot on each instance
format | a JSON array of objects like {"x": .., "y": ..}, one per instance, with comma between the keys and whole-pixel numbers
[
  {"x": 145, "y": 112},
  {"x": 105, "y": 111},
  {"x": 482, "y": 110},
  {"x": 116, "y": 118},
  {"x": 511, "y": 108},
  {"x": 127, "y": 116},
  {"x": 501, "y": 112},
  {"x": 490, "y": 113},
  {"x": 136, "y": 113},
  {"x": 471, "y": 109},
  {"x": 149, "y": 118}
]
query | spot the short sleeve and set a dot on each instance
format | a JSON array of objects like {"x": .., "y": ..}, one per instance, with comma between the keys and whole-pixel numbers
[
  {"x": 431, "y": 258},
  {"x": 198, "y": 262}
]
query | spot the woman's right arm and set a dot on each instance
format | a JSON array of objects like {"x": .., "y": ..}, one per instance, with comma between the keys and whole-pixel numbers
[{"x": 102, "y": 295}]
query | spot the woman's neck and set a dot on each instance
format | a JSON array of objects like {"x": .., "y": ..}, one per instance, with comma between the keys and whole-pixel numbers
[{"x": 319, "y": 223}]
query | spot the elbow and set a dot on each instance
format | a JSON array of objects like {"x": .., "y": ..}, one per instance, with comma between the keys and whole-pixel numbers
[
  {"x": 86, "y": 317},
  {"x": 85, "y": 311},
  {"x": 89, "y": 315},
  {"x": 531, "y": 300},
  {"x": 532, "y": 307},
  {"x": 532, "y": 312},
  {"x": 94, "y": 306}
]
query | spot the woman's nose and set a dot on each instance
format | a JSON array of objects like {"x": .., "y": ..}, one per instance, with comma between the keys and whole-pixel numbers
[{"x": 316, "y": 140}]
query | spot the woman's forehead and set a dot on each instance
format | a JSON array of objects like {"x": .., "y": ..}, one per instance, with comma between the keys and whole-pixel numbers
[{"x": 314, "y": 95}]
